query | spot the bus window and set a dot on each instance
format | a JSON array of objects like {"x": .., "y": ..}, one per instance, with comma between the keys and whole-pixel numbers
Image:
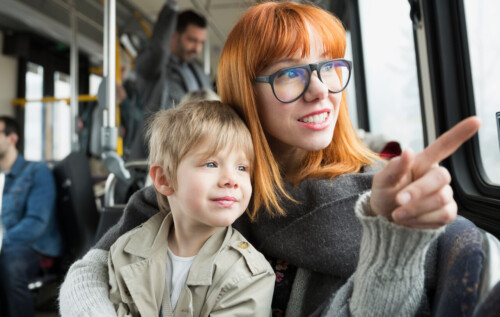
[
  {"x": 94, "y": 82},
  {"x": 391, "y": 71},
  {"x": 483, "y": 31},
  {"x": 60, "y": 114},
  {"x": 351, "y": 88},
  {"x": 34, "y": 114}
]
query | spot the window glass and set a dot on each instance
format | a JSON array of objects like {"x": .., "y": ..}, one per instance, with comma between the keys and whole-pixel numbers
[
  {"x": 391, "y": 71},
  {"x": 34, "y": 114},
  {"x": 94, "y": 82},
  {"x": 61, "y": 117},
  {"x": 351, "y": 87},
  {"x": 483, "y": 30}
]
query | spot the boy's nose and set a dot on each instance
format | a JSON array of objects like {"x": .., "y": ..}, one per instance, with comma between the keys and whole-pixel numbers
[{"x": 228, "y": 180}]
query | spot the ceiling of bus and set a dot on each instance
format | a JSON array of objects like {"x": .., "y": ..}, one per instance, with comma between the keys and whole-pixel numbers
[{"x": 52, "y": 19}]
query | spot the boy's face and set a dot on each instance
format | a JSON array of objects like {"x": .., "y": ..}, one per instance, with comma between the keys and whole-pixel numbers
[{"x": 211, "y": 192}]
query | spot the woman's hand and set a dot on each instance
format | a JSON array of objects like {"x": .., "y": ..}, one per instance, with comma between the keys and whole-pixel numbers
[{"x": 413, "y": 190}]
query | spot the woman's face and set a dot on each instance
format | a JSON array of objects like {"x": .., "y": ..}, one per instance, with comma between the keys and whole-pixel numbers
[{"x": 307, "y": 123}]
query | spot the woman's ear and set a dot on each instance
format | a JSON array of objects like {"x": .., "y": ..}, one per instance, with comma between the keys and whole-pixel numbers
[{"x": 160, "y": 180}]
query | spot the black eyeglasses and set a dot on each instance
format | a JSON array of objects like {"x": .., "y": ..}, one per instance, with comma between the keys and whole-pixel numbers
[{"x": 289, "y": 84}]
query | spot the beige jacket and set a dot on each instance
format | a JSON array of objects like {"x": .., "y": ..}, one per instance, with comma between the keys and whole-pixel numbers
[{"x": 227, "y": 278}]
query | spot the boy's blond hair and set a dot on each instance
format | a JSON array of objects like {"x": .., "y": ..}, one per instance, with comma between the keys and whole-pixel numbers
[{"x": 174, "y": 132}]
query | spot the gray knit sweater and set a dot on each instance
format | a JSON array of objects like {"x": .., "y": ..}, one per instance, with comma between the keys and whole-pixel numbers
[{"x": 324, "y": 235}]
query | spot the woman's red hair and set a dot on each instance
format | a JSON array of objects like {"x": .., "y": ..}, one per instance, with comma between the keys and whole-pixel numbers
[{"x": 268, "y": 32}]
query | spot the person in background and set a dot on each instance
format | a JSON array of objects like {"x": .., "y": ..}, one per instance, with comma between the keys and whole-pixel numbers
[
  {"x": 166, "y": 68},
  {"x": 381, "y": 144},
  {"x": 201, "y": 162},
  {"x": 203, "y": 94},
  {"x": 345, "y": 235},
  {"x": 28, "y": 223}
]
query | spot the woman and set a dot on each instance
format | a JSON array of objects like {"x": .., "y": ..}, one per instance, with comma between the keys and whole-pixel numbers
[{"x": 282, "y": 69}]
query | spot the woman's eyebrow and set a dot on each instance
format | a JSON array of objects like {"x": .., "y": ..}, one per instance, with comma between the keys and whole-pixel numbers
[
  {"x": 285, "y": 61},
  {"x": 295, "y": 61}
]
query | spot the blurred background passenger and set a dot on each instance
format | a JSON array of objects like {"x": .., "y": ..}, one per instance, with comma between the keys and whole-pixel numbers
[
  {"x": 28, "y": 227},
  {"x": 166, "y": 68},
  {"x": 204, "y": 94}
]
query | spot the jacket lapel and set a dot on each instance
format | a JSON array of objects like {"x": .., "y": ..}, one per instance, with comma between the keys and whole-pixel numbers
[
  {"x": 203, "y": 79},
  {"x": 148, "y": 276},
  {"x": 145, "y": 277}
]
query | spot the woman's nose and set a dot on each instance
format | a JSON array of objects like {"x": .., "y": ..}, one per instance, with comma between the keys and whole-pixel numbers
[{"x": 316, "y": 89}]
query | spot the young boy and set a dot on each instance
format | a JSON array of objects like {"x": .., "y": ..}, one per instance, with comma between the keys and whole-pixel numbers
[{"x": 188, "y": 259}]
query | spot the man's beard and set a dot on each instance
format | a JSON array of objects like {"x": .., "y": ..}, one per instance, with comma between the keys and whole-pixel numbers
[{"x": 189, "y": 55}]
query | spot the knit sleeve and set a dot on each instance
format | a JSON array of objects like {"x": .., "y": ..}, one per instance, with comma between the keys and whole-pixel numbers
[
  {"x": 389, "y": 279},
  {"x": 84, "y": 291}
]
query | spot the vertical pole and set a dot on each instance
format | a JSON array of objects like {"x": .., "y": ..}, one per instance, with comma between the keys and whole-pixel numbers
[
  {"x": 206, "y": 56},
  {"x": 109, "y": 132},
  {"x": 75, "y": 145},
  {"x": 110, "y": 65}
]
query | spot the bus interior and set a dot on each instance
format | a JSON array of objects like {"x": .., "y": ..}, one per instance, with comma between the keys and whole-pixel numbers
[{"x": 420, "y": 66}]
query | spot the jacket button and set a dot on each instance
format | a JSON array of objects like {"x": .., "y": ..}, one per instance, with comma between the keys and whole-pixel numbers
[{"x": 243, "y": 245}]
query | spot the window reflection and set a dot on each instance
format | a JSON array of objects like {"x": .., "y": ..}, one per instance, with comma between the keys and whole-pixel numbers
[
  {"x": 391, "y": 71},
  {"x": 34, "y": 114},
  {"x": 483, "y": 30},
  {"x": 61, "y": 117}
]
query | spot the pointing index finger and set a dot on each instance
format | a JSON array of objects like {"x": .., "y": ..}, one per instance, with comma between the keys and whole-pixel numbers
[{"x": 445, "y": 145}]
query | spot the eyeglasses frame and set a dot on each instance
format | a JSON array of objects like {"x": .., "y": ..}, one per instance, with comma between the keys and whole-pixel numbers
[{"x": 311, "y": 67}]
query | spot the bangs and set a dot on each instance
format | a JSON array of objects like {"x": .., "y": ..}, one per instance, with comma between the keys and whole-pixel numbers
[
  {"x": 231, "y": 136},
  {"x": 284, "y": 32}
]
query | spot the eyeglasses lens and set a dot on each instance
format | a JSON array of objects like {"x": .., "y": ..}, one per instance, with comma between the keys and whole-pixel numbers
[
  {"x": 335, "y": 75},
  {"x": 291, "y": 83}
]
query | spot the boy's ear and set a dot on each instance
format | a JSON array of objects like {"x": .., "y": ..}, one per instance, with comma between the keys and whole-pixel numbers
[{"x": 160, "y": 180}]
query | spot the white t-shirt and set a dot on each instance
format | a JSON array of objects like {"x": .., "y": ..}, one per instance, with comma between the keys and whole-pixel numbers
[{"x": 177, "y": 273}]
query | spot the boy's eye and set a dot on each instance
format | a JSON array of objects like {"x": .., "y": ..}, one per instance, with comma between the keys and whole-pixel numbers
[
  {"x": 242, "y": 168},
  {"x": 211, "y": 165}
]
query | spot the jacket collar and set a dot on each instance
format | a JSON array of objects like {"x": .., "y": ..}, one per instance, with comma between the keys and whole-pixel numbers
[
  {"x": 18, "y": 166},
  {"x": 152, "y": 238},
  {"x": 204, "y": 261},
  {"x": 177, "y": 60}
]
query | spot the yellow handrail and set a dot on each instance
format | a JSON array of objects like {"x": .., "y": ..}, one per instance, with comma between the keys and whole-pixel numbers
[
  {"x": 143, "y": 23},
  {"x": 21, "y": 102}
]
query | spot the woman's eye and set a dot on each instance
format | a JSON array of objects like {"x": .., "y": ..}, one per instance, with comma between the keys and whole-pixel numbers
[
  {"x": 288, "y": 74},
  {"x": 291, "y": 73},
  {"x": 328, "y": 67},
  {"x": 211, "y": 165}
]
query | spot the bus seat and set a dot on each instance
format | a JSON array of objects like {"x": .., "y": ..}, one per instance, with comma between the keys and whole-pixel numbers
[
  {"x": 460, "y": 258},
  {"x": 490, "y": 305},
  {"x": 117, "y": 194},
  {"x": 109, "y": 216},
  {"x": 491, "y": 265},
  {"x": 76, "y": 206},
  {"x": 78, "y": 218}
]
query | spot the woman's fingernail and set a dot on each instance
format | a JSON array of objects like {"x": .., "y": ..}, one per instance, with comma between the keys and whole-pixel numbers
[
  {"x": 399, "y": 215},
  {"x": 404, "y": 198}
]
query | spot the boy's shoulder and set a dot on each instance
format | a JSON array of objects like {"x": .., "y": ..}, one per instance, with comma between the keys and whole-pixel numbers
[
  {"x": 238, "y": 247},
  {"x": 149, "y": 227}
]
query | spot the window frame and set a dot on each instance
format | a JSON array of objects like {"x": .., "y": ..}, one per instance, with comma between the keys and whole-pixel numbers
[{"x": 452, "y": 89}]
